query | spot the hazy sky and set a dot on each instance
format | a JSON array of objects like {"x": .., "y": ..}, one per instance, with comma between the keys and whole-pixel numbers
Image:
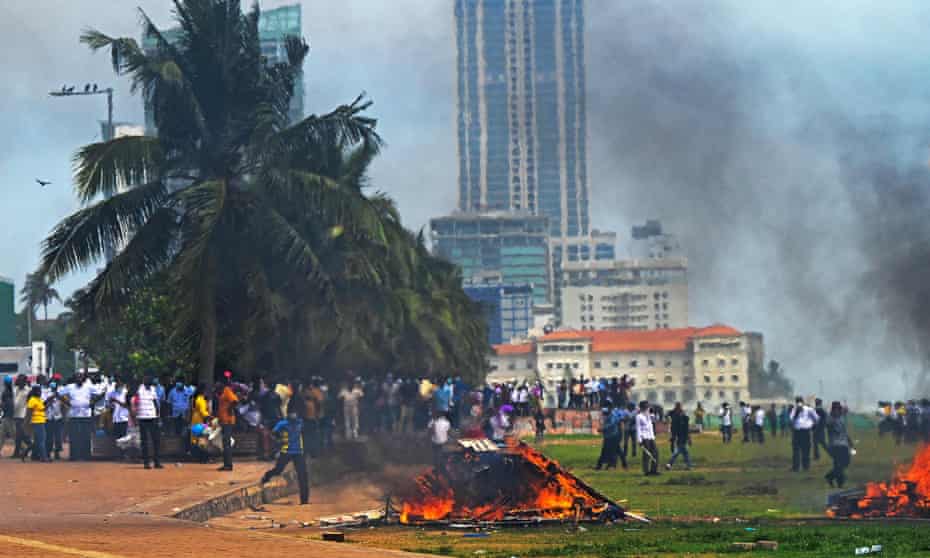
[{"x": 729, "y": 120}]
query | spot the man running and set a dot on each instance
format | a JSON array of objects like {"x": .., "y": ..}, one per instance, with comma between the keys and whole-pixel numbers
[{"x": 290, "y": 431}]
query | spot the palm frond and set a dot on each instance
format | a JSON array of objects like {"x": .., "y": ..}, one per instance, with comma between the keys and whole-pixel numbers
[
  {"x": 104, "y": 168},
  {"x": 82, "y": 238},
  {"x": 147, "y": 253},
  {"x": 344, "y": 126},
  {"x": 125, "y": 55}
]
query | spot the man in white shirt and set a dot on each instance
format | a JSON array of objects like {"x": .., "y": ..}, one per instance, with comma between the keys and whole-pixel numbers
[
  {"x": 81, "y": 396},
  {"x": 20, "y": 397},
  {"x": 54, "y": 417},
  {"x": 146, "y": 414},
  {"x": 726, "y": 423},
  {"x": 646, "y": 438},
  {"x": 439, "y": 428},
  {"x": 116, "y": 400},
  {"x": 759, "y": 419},
  {"x": 803, "y": 420}
]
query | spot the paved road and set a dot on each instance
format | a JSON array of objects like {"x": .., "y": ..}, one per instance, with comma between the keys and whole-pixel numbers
[{"x": 110, "y": 510}]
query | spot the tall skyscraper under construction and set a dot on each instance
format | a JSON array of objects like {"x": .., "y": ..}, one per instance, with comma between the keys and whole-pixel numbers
[{"x": 521, "y": 109}]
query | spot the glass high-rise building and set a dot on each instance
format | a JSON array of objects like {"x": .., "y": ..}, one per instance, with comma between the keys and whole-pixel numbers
[
  {"x": 7, "y": 313},
  {"x": 274, "y": 27},
  {"x": 521, "y": 109}
]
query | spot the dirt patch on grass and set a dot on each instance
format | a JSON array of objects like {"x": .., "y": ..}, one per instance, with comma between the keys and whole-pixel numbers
[
  {"x": 756, "y": 489},
  {"x": 692, "y": 480}
]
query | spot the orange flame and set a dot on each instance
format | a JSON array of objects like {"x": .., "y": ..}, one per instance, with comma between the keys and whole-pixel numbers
[
  {"x": 545, "y": 489},
  {"x": 908, "y": 494}
]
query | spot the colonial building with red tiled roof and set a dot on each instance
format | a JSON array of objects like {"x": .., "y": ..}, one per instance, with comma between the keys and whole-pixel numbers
[{"x": 708, "y": 364}]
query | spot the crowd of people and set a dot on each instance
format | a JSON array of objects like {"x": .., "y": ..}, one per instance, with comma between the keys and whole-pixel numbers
[
  {"x": 591, "y": 393},
  {"x": 811, "y": 429},
  {"x": 297, "y": 420},
  {"x": 908, "y": 421},
  {"x": 39, "y": 414}
]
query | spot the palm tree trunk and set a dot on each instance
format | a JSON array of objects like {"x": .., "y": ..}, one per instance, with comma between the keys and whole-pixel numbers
[
  {"x": 45, "y": 307},
  {"x": 208, "y": 327},
  {"x": 207, "y": 350}
]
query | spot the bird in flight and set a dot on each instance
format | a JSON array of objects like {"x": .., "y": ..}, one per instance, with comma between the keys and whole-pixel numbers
[{"x": 43, "y": 183}]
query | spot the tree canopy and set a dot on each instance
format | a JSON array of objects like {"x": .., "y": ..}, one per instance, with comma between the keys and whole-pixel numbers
[{"x": 275, "y": 256}]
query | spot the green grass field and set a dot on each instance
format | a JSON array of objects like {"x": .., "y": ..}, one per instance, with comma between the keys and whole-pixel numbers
[
  {"x": 728, "y": 481},
  {"x": 736, "y": 493}
]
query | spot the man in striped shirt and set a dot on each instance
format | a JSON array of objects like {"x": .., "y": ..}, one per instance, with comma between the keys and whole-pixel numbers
[{"x": 290, "y": 432}]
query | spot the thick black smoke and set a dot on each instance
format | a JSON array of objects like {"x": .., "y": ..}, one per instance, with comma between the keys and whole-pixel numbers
[{"x": 801, "y": 219}]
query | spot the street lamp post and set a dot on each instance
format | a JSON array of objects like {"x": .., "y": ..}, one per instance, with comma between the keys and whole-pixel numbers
[
  {"x": 65, "y": 91},
  {"x": 70, "y": 92}
]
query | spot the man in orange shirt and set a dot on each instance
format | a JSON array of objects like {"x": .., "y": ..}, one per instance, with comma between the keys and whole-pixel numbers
[{"x": 226, "y": 413}]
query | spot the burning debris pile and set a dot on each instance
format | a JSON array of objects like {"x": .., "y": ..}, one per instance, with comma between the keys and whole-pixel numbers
[
  {"x": 481, "y": 483},
  {"x": 907, "y": 495}
]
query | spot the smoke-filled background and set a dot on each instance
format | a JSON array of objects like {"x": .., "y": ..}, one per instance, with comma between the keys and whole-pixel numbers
[{"x": 785, "y": 143}]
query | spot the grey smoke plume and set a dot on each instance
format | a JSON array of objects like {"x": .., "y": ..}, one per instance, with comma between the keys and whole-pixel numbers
[{"x": 802, "y": 217}]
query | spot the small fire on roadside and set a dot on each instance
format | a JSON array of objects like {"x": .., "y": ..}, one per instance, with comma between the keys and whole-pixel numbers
[
  {"x": 906, "y": 495},
  {"x": 514, "y": 484}
]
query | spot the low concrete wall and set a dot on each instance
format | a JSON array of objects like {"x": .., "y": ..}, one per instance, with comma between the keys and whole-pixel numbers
[{"x": 253, "y": 495}]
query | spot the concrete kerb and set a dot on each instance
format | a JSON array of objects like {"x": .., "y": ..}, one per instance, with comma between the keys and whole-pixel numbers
[{"x": 251, "y": 496}]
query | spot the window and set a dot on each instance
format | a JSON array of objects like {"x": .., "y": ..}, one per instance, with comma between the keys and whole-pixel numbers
[
  {"x": 668, "y": 378},
  {"x": 708, "y": 394},
  {"x": 511, "y": 366},
  {"x": 597, "y": 364},
  {"x": 734, "y": 378},
  {"x": 615, "y": 364},
  {"x": 668, "y": 396},
  {"x": 651, "y": 362},
  {"x": 668, "y": 363},
  {"x": 705, "y": 362},
  {"x": 686, "y": 363},
  {"x": 575, "y": 365},
  {"x": 634, "y": 364},
  {"x": 737, "y": 396},
  {"x": 720, "y": 379},
  {"x": 529, "y": 364},
  {"x": 706, "y": 379},
  {"x": 721, "y": 395},
  {"x": 665, "y": 294},
  {"x": 734, "y": 362},
  {"x": 549, "y": 365},
  {"x": 721, "y": 362},
  {"x": 558, "y": 365}
]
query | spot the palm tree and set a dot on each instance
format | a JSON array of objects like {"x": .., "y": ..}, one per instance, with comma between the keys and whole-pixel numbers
[
  {"x": 207, "y": 200},
  {"x": 37, "y": 292}
]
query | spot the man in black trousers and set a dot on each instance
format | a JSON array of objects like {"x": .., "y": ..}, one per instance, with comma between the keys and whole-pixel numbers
[
  {"x": 820, "y": 430},
  {"x": 803, "y": 421},
  {"x": 646, "y": 436}
]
